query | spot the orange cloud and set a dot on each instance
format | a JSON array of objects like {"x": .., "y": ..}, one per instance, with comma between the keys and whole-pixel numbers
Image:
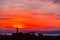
[{"x": 30, "y": 20}]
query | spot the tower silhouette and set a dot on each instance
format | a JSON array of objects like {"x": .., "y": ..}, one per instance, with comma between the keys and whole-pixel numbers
[
  {"x": 17, "y": 34},
  {"x": 17, "y": 30}
]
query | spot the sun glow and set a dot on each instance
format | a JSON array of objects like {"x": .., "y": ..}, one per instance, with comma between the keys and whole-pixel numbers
[{"x": 19, "y": 26}]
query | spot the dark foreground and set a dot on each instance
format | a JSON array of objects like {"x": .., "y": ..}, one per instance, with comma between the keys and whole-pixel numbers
[{"x": 28, "y": 36}]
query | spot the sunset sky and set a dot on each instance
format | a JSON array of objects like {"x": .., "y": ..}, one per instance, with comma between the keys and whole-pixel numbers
[{"x": 30, "y": 14}]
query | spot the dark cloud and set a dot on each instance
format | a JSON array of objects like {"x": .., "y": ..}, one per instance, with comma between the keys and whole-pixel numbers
[{"x": 56, "y": 1}]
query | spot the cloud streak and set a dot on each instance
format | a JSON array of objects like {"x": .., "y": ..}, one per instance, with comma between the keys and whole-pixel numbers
[
  {"x": 45, "y": 6},
  {"x": 4, "y": 18}
]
